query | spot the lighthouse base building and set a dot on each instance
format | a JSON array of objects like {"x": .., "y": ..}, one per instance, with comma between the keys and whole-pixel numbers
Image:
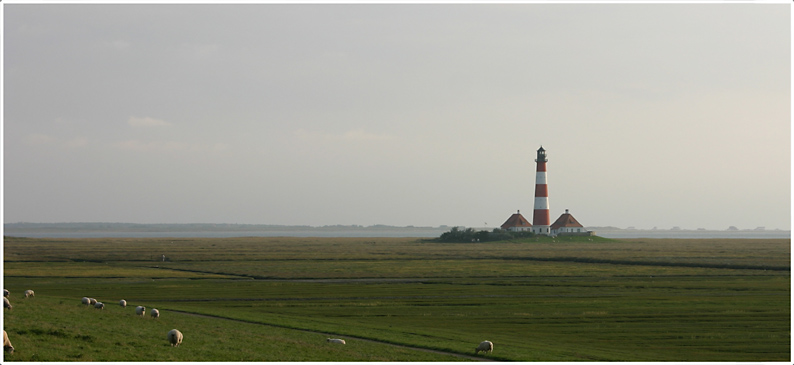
[
  {"x": 567, "y": 225},
  {"x": 517, "y": 223}
]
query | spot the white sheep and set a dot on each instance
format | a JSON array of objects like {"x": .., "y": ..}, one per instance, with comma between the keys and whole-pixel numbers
[
  {"x": 29, "y": 293},
  {"x": 86, "y": 300},
  {"x": 155, "y": 313},
  {"x": 5, "y": 292},
  {"x": 335, "y": 340},
  {"x": 123, "y": 303},
  {"x": 99, "y": 305},
  {"x": 485, "y": 346},
  {"x": 174, "y": 337},
  {"x": 92, "y": 301},
  {"x": 140, "y": 310},
  {"x": 7, "y": 304},
  {"x": 7, "y": 343}
]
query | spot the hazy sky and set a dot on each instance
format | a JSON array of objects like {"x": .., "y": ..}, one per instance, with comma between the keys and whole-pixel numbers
[{"x": 651, "y": 114}]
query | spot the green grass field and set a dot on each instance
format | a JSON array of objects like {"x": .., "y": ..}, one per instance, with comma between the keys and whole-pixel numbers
[{"x": 277, "y": 299}]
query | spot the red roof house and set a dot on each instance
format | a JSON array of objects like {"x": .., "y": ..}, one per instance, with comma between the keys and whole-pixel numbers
[
  {"x": 517, "y": 222},
  {"x": 566, "y": 223}
]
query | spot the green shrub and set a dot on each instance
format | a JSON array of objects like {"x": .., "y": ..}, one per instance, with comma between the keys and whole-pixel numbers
[{"x": 471, "y": 235}]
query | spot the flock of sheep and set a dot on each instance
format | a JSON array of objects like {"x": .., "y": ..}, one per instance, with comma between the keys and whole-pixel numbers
[
  {"x": 174, "y": 336},
  {"x": 140, "y": 310}
]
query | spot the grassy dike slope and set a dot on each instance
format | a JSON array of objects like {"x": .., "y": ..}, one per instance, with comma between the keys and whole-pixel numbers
[
  {"x": 537, "y": 300},
  {"x": 52, "y": 329}
]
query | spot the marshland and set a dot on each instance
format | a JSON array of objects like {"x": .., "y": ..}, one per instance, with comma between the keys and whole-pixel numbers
[{"x": 400, "y": 299}]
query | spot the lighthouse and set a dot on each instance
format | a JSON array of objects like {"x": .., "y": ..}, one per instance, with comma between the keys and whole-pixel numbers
[{"x": 540, "y": 217}]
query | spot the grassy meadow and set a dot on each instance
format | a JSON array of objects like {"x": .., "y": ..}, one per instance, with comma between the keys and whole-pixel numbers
[{"x": 400, "y": 299}]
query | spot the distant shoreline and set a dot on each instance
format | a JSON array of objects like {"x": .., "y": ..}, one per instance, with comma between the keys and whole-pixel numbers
[{"x": 98, "y": 230}]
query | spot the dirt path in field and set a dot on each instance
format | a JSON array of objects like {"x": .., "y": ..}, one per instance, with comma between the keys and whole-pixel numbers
[{"x": 468, "y": 357}]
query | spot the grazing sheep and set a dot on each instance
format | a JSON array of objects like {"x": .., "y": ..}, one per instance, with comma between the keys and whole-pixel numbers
[
  {"x": 174, "y": 337},
  {"x": 485, "y": 346},
  {"x": 140, "y": 310},
  {"x": 335, "y": 340},
  {"x": 155, "y": 313},
  {"x": 99, "y": 305},
  {"x": 92, "y": 301},
  {"x": 86, "y": 300},
  {"x": 29, "y": 293},
  {"x": 5, "y": 292},
  {"x": 7, "y": 343},
  {"x": 7, "y": 304},
  {"x": 123, "y": 303}
]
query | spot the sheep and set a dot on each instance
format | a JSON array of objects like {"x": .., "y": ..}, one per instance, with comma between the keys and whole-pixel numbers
[
  {"x": 123, "y": 303},
  {"x": 29, "y": 293},
  {"x": 99, "y": 305},
  {"x": 335, "y": 340},
  {"x": 7, "y": 343},
  {"x": 140, "y": 310},
  {"x": 86, "y": 300},
  {"x": 485, "y": 346},
  {"x": 7, "y": 304},
  {"x": 155, "y": 313},
  {"x": 174, "y": 337},
  {"x": 92, "y": 301},
  {"x": 5, "y": 292}
]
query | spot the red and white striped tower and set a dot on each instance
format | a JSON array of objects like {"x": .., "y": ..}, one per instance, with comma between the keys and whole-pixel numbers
[{"x": 540, "y": 217}]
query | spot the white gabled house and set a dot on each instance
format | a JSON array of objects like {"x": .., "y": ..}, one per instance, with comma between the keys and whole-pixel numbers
[{"x": 566, "y": 224}]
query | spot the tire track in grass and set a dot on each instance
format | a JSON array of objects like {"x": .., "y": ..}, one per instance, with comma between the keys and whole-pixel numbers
[{"x": 469, "y": 357}]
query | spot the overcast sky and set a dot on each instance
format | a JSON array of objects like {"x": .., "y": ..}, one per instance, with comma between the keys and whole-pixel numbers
[{"x": 651, "y": 114}]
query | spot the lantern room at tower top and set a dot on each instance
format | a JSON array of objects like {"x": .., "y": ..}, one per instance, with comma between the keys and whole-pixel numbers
[{"x": 541, "y": 155}]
